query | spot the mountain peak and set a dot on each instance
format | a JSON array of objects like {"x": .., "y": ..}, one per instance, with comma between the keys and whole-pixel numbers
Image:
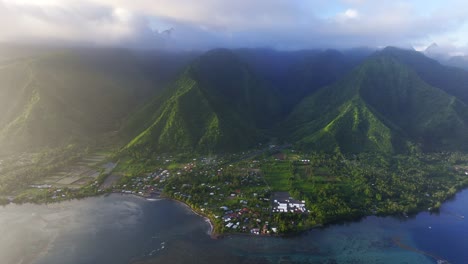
[
  {"x": 220, "y": 54},
  {"x": 432, "y": 47},
  {"x": 391, "y": 50}
]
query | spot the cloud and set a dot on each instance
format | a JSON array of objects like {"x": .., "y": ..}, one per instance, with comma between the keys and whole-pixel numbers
[
  {"x": 351, "y": 13},
  {"x": 201, "y": 24},
  {"x": 74, "y": 22}
]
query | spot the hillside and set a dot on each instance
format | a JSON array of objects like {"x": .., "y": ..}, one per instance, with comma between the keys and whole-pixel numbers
[
  {"x": 379, "y": 107},
  {"x": 450, "y": 79},
  {"x": 56, "y": 97},
  {"x": 296, "y": 74},
  {"x": 315, "y": 72},
  {"x": 226, "y": 101},
  {"x": 217, "y": 104}
]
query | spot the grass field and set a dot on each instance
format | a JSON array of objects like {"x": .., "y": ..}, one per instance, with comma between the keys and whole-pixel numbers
[
  {"x": 305, "y": 186},
  {"x": 277, "y": 175},
  {"x": 77, "y": 174}
]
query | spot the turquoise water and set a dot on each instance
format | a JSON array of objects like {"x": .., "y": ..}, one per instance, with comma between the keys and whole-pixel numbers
[{"x": 126, "y": 229}]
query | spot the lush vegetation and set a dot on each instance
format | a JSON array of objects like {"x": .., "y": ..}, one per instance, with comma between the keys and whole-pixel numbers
[
  {"x": 371, "y": 143},
  {"x": 341, "y": 187},
  {"x": 58, "y": 97},
  {"x": 451, "y": 80},
  {"x": 216, "y": 105},
  {"x": 335, "y": 187},
  {"x": 380, "y": 107}
]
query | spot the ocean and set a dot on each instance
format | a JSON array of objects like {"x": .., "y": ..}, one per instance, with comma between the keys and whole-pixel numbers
[{"x": 126, "y": 229}]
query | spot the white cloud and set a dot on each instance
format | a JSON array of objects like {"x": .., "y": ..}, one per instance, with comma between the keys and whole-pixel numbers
[
  {"x": 351, "y": 13},
  {"x": 210, "y": 23}
]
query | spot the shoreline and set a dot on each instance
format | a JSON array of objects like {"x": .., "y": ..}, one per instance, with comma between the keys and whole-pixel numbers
[
  {"x": 211, "y": 231},
  {"x": 214, "y": 235}
]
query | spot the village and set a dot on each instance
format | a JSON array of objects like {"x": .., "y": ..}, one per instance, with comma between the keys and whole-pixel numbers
[
  {"x": 233, "y": 211},
  {"x": 282, "y": 191},
  {"x": 234, "y": 195}
]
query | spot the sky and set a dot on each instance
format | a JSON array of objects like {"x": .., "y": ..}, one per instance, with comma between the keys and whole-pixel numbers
[{"x": 205, "y": 24}]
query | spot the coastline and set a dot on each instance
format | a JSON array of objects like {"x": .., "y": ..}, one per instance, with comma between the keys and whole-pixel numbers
[
  {"x": 214, "y": 235},
  {"x": 211, "y": 231},
  {"x": 194, "y": 229}
]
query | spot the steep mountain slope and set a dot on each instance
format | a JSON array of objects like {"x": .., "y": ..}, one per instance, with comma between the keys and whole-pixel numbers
[
  {"x": 222, "y": 101},
  {"x": 274, "y": 66},
  {"x": 62, "y": 96},
  {"x": 378, "y": 107},
  {"x": 450, "y": 79},
  {"x": 296, "y": 74},
  {"x": 230, "y": 84},
  {"x": 217, "y": 104},
  {"x": 313, "y": 73}
]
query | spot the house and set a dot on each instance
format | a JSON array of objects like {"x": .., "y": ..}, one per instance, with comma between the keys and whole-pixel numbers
[
  {"x": 255, "y": 231},
  {"x": 281, "y": 207},
  {"x": 283, "y": 203}
]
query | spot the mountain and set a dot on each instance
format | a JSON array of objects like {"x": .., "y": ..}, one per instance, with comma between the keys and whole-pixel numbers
[
  {"x": 231, "y": 100},
  {"x": 51, "y": 97},
  {"x": 221, "y": 103},
  {"x": 315, "y": 72},
  {"x": 379, "y": 107},
  {"x": 217, "y": 104},
  {"x": 458, "y": 61},
  {"x": 450, "y": 79},
  {"x": 296, "y": 74},
  {"x": 435, "y": 52},
  {"x": 273, "y": 66}
]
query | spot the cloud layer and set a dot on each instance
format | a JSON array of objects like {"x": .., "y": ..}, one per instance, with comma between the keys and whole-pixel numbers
[{"x": 202, "y": 24}]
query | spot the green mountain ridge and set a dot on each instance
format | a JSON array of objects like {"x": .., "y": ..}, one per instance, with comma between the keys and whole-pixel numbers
[
  {"x": 214, "y": 106},
  {"x": 380, "y": 107},
  {"x": 223, "y": 101},
  {"x": 186, "y": 122},
  {"x": 450, "y": 79},
  {"x": 57, "y": 98}
]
